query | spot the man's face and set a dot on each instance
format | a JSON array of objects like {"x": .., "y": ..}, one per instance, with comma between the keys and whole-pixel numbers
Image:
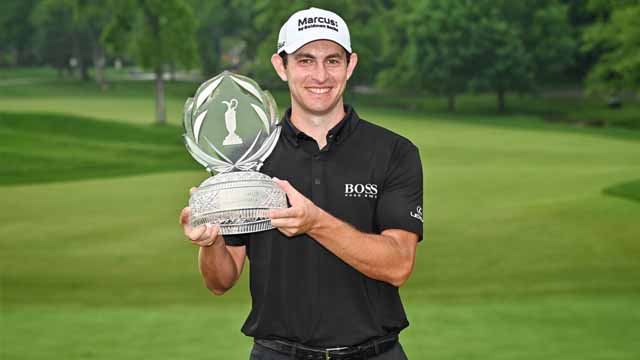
[{"x": 317, "y": 74}]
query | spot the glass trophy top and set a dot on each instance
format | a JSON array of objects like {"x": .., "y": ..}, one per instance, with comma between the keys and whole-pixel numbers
[{"x": 230, "y": 124}]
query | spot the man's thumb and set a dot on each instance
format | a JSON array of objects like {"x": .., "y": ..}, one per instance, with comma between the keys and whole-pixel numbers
[{"x": 291, "y": 192}]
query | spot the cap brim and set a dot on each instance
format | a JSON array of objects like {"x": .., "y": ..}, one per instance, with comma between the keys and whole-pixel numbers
[{"x": 293, "y": 47}]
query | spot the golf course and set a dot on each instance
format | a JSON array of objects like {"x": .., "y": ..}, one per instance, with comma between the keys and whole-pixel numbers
[{"x": 531, "y": 248}]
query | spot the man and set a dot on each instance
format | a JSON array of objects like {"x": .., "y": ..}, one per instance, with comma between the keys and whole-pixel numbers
[{"x": 325, "y": 283}]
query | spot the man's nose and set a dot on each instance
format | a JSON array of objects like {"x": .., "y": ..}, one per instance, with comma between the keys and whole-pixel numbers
[{"x": 320, "y": 74}]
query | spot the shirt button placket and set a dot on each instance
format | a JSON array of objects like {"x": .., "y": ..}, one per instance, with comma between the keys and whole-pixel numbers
[{"x": 316, "y": 176}]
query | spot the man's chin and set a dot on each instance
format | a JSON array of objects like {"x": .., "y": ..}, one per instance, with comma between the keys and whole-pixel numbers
[{"x": 321, "y": 108}]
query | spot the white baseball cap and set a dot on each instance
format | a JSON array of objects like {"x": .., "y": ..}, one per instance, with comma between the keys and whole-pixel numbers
[{"x": 313, "y": 24}]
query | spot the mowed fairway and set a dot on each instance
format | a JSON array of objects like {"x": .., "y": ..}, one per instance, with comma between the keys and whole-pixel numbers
[{"x": 524, "y": 256}]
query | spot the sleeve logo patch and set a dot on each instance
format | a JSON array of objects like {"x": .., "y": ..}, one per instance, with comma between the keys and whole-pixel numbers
[{"x": 417, "y": 214}]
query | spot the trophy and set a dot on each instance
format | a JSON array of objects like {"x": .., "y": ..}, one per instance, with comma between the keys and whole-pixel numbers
[{"x": 230, "y": 127}]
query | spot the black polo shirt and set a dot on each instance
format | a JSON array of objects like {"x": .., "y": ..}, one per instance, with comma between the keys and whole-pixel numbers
[{"x": 366, "y": 176}]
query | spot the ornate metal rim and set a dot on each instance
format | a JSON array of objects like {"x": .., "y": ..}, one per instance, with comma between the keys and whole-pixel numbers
[
  {"x": 215, "y": 203},
  {"x": 261, "y": 223}
]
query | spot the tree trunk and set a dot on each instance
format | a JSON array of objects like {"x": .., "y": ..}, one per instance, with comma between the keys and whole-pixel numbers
[
  {"x": 451, "y": 102},
  {"x": 501, "y": 105},
  {"x": 210, "y": 52},
  {"x": 98, "y": 62},
  {"x": 84, "y": 70},
  {"x": 161, "y": 117},
  {"x": 172, "y": 71}
]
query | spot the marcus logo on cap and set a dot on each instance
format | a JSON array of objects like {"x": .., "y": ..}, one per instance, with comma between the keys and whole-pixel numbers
[{"x": 310, "y": 25}]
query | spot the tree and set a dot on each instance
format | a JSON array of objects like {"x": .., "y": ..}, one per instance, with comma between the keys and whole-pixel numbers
[
  {"x": 580, "y": 17},
  {"x": 225, "y": 21},
  {"x": 501, "y": 62},
  {"x": 485, "y": 45},
  {"x": 90, "y": 18},
  {"x": 616, "y": 35},
  {"x": 16, "y": 37},
  {"x": 525, "y": 43},
  {"x": 68, "y": 29},
  {"x": 54, "y": 37},
  {"x": 160, "y": 32},
  {"x": 439, "y": 50}
]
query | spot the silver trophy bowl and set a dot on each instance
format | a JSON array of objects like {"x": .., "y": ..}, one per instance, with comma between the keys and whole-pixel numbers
[
  {"x": 238, "y": 201},
  {"x": 231, "y": 127}
]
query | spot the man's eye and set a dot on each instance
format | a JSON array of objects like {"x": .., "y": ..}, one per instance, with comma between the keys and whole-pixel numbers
[
  {"x": 333, "y": 61},
  {"x": 305, "y": 61}
]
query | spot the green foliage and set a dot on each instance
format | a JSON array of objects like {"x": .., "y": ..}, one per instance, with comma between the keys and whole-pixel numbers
[
  {"x": 226, "y": 27},
  {"x": 54, "y": 38},
  {"x": 440, "y": 47},
  {"x": 215, "y": 19},
  {"x": 69, "y": 28},
  {"x": 617, "y": 36},
  {"x": 159, "y": 32},
  {"x": 453, "y": 46},
  {"x": 503, "y": 63},
  {"x": 16, "y": 40}
]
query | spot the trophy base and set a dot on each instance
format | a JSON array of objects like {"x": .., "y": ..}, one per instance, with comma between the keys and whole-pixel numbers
[{"x": 238, "y": 202}]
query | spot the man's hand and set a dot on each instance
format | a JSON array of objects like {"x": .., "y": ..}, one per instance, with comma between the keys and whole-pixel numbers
[
  {"x": 300, "y": 217},
  {"x": 203, "y": 235}
]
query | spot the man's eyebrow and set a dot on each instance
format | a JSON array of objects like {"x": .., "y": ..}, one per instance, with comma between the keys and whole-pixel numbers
[
  {"x": 303, "y": 55},
  {"x": 310, "y": 56}
]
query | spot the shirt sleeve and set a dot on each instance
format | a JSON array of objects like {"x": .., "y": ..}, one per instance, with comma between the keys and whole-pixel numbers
[
  {"x": 400, "y": 201},
  {"x": 236, "y": 240}
]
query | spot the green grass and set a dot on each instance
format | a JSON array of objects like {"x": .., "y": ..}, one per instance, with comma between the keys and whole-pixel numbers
[
  {"x": 27, "y": 73},
  {"x": 525, "y": 255},
  {"x": 71, "y": 96},
  {"x": 128, "y": 101},
  {"x": 582, "y": 111},
  {"x": 45, "y": 148},
  {"x": 627, "y": 190}
]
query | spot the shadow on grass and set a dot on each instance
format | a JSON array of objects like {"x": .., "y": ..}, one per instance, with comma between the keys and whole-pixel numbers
[
  {"x": 627, "y": 190},
  {"x": 41, "y": 147}
]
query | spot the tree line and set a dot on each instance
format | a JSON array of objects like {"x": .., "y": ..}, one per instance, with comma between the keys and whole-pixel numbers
[{"x": 443, "y": 47}]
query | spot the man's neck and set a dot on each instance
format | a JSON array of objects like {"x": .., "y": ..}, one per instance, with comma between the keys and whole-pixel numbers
[{"x": 317, "y": 126}]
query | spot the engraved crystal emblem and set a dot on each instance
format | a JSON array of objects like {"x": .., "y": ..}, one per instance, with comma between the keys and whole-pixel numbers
[
  {"x": 231, "y": 127},
  {"x": 230, "y": 121}
]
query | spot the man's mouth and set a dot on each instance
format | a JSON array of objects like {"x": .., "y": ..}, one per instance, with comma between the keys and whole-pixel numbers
[{"x": 317, "y": 90}]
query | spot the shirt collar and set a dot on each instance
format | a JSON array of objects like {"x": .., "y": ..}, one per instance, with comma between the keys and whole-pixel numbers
[{"x": 337, "y": 134}]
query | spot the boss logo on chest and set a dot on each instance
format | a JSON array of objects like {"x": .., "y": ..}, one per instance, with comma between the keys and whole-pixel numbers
[{"x": 361, "y": 190}]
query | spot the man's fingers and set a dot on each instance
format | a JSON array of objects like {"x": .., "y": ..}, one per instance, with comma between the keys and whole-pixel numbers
[
  {"x": 285, "y": 223},
  {"x": 213, "y": 230},
  {"x": 284, "y": 213},
  {"x": 196, "y": 233},
  {"x": 291, "y": 192},
  {"x": 184, "y": 216},
  {"x": 210, "y": 236},
  {"x": 289, "y": 231}
]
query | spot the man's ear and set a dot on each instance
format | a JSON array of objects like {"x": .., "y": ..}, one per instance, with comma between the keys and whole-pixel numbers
[
  {"x": 278, "y": 65},
  {"x": 353, "y": 61}
]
